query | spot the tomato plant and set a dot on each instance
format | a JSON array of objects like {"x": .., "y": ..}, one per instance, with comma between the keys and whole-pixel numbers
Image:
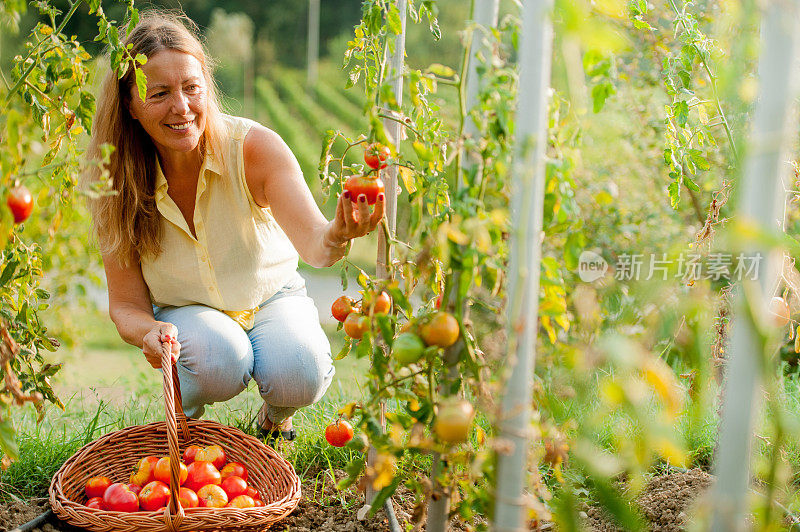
[
  {"x": 339, "y": 433},
  {"x": 20, "y": 202}
]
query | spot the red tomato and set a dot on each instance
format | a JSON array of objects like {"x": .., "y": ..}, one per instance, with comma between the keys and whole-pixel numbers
[
  {"x": 20, "y": 202},
  {"x": 369, "y": 186},
  {"x": 119, "y": 498},
  {"x": 341, "y": 308},
  {"x": 96, "y": 486},
  {"x": 188, "y": 498},
  {"x": 339, "y": 433},
  {"x": 258, "y": 502},
  {"x": 380, "y": 304},
  {"x": 252, "y": 492},
  {"x": 234, "y": 486},
  {"x": 242, "y": 501},
  {"x": 189, "y": 454},
  {"x": 96, "y": 503},
  {"x": 201, "y": 473},
  {"x": 375, "y": 155},
  {"x": 135, "y": 488},
  {"x": 144, "y": 472},
  {"x": 214, "y": 454},
  {"x": 234, "y": 469},
  {"x": 356, "y": 325},
  {"x": 162, "y": 473},
  {"x": 212, "y": 496},
  {"x": 154, "y": 496}
]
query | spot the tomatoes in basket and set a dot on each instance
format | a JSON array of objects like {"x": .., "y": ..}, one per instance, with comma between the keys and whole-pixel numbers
[
  {"x": 201, "y": 473},
  {"x": 144, "y": 472},
  {"x": 234, "y": 469},
  {"x": 369, "y": 186},
  {"x": 342, "y": 308},
  {"x": 234, "y": 486},
  {"x": 96, "y": 486},
  {"x": 153, "y": 496},
  {"x": 96, "y": 503},
  {"x": 190, "y": 453},
  {"x": 162, "y": 472},
  {"x": 120, "y": 498},
  {"x": 339, "y": 433},
  {"x": 242, "y": 501},
  {"x": 212, "y": 496},
  {"x": 188, "y": 498},
  {"x": 214, "y": 454},
  {"x": 375, "y": 155}
]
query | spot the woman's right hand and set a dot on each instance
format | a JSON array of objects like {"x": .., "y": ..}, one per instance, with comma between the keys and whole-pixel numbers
[{"x": 161, "y": 335}]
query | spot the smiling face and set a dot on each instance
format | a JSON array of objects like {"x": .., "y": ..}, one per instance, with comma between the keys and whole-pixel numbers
[{"x": 174, "y": 110}]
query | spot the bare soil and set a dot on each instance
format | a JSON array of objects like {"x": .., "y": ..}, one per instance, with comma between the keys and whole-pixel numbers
[{"x": 665, "y": 503}]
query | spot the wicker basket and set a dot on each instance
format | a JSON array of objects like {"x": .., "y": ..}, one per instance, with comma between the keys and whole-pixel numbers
[{"x": 115, "y": 455}]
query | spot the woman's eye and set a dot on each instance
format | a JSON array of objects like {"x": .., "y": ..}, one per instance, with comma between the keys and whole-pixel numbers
[
  {"x": 159, "y": 94},
  {"x": 193, "y": 88}
]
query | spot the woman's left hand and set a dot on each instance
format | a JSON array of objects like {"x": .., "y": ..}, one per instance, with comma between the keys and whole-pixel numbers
[{"x": 353, "y": 219}]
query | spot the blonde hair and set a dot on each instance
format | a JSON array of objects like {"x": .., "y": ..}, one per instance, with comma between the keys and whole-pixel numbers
[{"x": 127, "y": 222}]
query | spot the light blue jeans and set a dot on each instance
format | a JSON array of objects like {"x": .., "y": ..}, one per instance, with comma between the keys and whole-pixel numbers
[{"x": 286, "y": 352}]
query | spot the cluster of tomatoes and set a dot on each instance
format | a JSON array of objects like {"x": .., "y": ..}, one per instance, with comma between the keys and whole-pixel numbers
[
  {"x": 355, "y": 315},
  {"x": 20, "y": 202},
  {"x": 371, "y": 186},
  {"x": 207, "y": 480}
]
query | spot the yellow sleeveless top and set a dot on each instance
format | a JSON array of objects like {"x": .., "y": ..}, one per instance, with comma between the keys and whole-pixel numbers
[{"x": 240, "y": 257}]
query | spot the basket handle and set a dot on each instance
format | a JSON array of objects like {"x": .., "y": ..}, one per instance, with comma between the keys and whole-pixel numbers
[{"x": 173, "y": 513}]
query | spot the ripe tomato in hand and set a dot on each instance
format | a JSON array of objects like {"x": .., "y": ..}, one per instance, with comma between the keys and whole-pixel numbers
[
  {"x": 356, "y": 325},
  {"x": 342, "y": 308},
  {"x": 96, "y": 486},
  {"x": 154, "y": 496},
  {"x": 375, "y": 155},
  {"x": 339, "y": 433},
  {"x": 20, "y": 202},
  {"x": 369, "y": 186},
  {"x": 119, "y": 498}
]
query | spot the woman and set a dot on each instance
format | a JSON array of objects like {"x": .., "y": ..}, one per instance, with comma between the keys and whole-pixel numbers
[{"x": 200, "y": 241}]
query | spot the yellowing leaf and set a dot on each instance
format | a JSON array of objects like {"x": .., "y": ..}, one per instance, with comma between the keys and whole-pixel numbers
[
  {"x": 457, "y": 236},
  {"x": 611, "y": 8},
  {"x": 407, "y": 174},
  {"x": 348, "y": 409}
]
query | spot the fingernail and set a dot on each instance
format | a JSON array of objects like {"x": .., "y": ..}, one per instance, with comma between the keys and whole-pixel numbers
[
  {"x": 362, "y": 198},
  {"x": 381, "y": 197},
  {"x": 346, "y": 194}
]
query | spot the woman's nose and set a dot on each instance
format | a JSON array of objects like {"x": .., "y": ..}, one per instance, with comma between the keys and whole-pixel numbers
[{"x": 180, "y": 103}]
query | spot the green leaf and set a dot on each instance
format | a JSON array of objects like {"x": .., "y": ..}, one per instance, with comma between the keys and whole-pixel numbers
[
  {"x": 8, "y": 442},
  {"x": 674, "y": 194},
  {"x": 690, "y": 184},
  {"x": 141, "y": 59},
  {"x": 393, "y": 20},
  {"x": 384, "y": 494},
  {"x": 8, "y": 272},
  {"x": 600, "y": 94},
  {"x": 348, "y": 344},
  {"x": 141, "y": 83},
  {"x": 680, "y": 110},
  {"x": 442, "y": 71},
  {"x": 699, "y": 161}
]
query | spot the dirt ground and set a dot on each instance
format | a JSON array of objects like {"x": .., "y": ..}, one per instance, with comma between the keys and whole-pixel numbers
[
  {"x": 664, "y": 503},
  {"x": 321, "y": 508}
]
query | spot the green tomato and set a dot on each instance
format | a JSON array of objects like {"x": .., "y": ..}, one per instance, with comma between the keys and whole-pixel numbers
[{"x": 407, "y": 348}]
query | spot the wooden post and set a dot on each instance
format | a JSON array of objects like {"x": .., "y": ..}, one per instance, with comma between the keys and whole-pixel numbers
[
  {"x": 760, "y": 198},
  {"x": 484, "y": 13},
  {"x": 312, "y": 53},
  {"x": 528, "y": 177}
]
